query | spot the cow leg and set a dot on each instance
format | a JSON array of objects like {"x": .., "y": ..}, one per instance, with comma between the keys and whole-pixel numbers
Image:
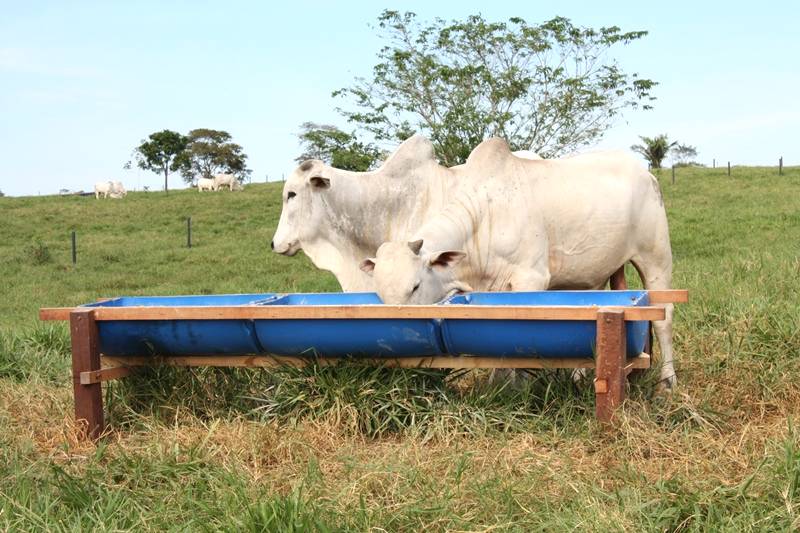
[
  {"x": 617, "y": 281},
  {"x": 657, "y": 274}
]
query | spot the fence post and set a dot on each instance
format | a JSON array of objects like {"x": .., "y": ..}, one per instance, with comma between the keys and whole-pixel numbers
[
  {"x": 780, "y": 166},
  {"x": 673, "y": 174},
  {"x": 729, "y": 168},
  {"x": 74, "y": 249},
  {"x": 189, "y": 232}
]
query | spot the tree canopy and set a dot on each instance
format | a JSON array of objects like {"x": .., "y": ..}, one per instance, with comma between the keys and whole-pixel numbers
[
  {"x": 210, "y": 152},
  {"x": 549, "y": 87},
  {"x": 654, "y": 149},
  {"x": 159, "y": 153},
  {"x": 336, "y": 147}
]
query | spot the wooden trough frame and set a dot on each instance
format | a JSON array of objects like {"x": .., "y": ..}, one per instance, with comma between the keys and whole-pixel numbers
[{"x": 90, "y": 368}]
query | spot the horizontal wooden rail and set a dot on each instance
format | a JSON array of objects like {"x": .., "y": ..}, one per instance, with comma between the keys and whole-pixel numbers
[
  {"x": 340, "y": 312},
  {"x": 104, "y": 374},
  {"x": 669, "y": 296},
  {"x": 457, "y": 362}
]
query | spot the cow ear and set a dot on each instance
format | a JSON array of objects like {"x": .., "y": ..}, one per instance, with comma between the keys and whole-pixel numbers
[
  {"x": 415, "y": 246},
  {"x": 445, "y": 259},
  {"x": 368, "y": 265},
  {"x": 318, "y": 182}
]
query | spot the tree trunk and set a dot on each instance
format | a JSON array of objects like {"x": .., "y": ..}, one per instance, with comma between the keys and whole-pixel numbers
[{"x": 166, "y": 175}]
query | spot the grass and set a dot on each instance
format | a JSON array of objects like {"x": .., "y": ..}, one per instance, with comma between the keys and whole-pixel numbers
[{"x": 360, "y": 448}]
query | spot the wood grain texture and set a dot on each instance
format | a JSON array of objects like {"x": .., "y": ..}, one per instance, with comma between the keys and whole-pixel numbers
[
  {"x": 104, "y": 374},
  {"x": 86, "y": 358},
  {"x": 461, "y": 362},
  {"x": 344, "y": 312},
  {"x": 610, "y": 370}
]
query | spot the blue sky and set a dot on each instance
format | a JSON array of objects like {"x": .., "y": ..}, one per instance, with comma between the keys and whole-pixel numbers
[{"x": 81, "y": 83}]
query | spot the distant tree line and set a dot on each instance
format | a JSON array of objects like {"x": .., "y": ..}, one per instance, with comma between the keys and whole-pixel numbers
[{"x": 201, "y": 153}]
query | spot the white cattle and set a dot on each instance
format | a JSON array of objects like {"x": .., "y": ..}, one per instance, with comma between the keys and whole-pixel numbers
[
  {"x": 114, "y": 189},
  {"x": 102, "y": 188},
  {"x": 205, "y": 184},
  {"x": 534, "y": 224},
  {"x": 225, "y": 180},
  {"x": 337, "y": 229},
  {"x": 118, "y": 190}
]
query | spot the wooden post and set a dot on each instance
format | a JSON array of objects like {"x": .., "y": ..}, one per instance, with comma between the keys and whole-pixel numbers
[
  {"x": 189, "y": 232},
  {"x": 86, "y": 358},
  {"x": 673, "y": 174},
  {"x": 729, "y": 168},
  {"x": 780, "y": 166},
  {"x": 609, "y": 382},
  {"x": 74, "y": 249}
]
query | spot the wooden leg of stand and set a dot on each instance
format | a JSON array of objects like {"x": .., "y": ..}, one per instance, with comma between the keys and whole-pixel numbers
[
  {"x": 610, "y": 363},
  {"x": 85, "y": 358}
]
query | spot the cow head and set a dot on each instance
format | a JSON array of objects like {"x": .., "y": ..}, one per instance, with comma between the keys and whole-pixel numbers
[
  {"x": 303, "y": 207},
  {"x": 404, "y": 275}
]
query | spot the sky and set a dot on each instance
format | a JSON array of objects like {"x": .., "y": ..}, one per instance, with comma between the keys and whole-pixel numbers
[{"x": 82, "y": 83}]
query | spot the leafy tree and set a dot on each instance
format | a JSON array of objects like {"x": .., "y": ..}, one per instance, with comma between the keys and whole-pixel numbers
[
  {"x": 654, "y": 149},
  {"x": 2, "y": 194},
  {"x": 210, "y": 152},
  {"x": 549, "y": 88},
  {"x": 683, "y": 154},
  {"x": 160, "y": 154},
  {"x": 336, "y": 147}
]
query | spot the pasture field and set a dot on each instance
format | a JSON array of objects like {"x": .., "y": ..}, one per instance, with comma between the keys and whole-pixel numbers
[{"x": 371, "y": 449}]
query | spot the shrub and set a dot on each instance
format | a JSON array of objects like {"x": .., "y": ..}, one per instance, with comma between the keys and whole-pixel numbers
[{"x": 38, "y": 253}]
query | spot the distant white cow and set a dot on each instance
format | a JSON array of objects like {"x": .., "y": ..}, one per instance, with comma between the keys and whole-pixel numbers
[
  {"x": 114, "y": 189},
  {"x": 205, "y": 184},
  {"x": 118, "y": 190},
  {"x": 225, "y": 180}
]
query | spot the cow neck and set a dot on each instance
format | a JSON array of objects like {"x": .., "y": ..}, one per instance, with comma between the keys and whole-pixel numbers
[{"x": 367, "y": 209}]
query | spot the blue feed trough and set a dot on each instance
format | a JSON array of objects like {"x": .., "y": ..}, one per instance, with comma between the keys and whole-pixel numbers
[
  {"x": 345, "y": 337},
  {"x": 538, "y": 338},
  {"x": 339, "y": 337},
  {"x": 179, "y": 337}
]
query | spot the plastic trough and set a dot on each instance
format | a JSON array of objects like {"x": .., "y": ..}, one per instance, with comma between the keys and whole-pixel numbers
[
  {"x": 179, "y": 337},
  {"x": 366, "y": 337},
  {"x": 539, "y": 338}
]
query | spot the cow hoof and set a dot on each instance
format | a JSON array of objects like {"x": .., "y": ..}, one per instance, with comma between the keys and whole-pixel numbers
[{"x": 666, "y": 385}]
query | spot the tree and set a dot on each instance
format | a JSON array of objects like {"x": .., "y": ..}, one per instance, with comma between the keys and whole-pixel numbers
[
  {"x": 683, "y": 154},
  {"x": 210, "y": 152},
  {"x": 548, "y": 88},
  {"x": 160, "y": 153},
  {"x": 336, "y": 147},
  {"x": 654, "y": 149}
]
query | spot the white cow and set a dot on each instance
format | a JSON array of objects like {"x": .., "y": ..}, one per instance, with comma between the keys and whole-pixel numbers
[
  {"x": 338, "y": 217},
  {"x": 225, "y": 180},
  {"x": 118, "y": 190},
  {"x": 114, "y": 189},
  {"x": 205, "y": 184},
  {"x": 534, "y": 225}
]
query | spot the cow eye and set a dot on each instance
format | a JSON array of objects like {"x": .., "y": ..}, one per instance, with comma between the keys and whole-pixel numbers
[
  {"x": 290, "y": 195},
  {"x": 415, "y": 288}
]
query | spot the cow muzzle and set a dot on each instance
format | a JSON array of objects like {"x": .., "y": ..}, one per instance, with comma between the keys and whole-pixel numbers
[{"x": 285, "y": 249}]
